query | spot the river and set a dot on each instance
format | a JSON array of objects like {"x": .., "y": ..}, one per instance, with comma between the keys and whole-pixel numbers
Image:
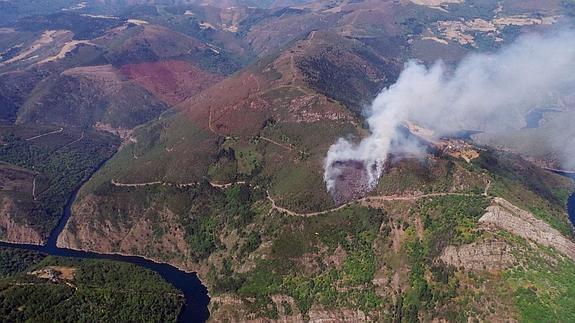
[
  {"x": 571, "y": 208},
  {"x": 571, "y": 204},
  {"x": 196, "y": 295}
]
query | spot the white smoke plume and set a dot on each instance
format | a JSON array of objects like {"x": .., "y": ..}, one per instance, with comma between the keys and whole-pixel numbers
[{"x": 488, "y": 92}]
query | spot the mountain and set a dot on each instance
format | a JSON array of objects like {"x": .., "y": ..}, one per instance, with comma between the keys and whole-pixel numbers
[
  {"x": 74, "y": 77},
  {"x": 196, "y": 133}
]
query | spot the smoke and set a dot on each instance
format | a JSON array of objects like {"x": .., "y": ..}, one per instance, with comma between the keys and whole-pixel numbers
[{"x": 488, "y": 92}]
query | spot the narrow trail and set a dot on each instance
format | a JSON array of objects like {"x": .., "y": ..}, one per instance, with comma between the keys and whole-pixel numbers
[
  {"x": 45, "y": 134},
  {"x": 292, "y": 213},
  {"x": 73, "y": 142},
  {"x": 367, "y": 199},
  {"x": 136, "y": 184},
  {"x": 227, "y": 185},
  {"x": 210, "y": 122},
  {"x": 180, "y": 185},
  {"x": 259, "y": 89},
  {"x": 285, "y": 146},
  {"x": 293, "y": 70},
  {"x": 34, "y": 188}
]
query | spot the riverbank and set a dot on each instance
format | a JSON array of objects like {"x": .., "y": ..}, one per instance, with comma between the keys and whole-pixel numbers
[{"x": 195, "y": 293}]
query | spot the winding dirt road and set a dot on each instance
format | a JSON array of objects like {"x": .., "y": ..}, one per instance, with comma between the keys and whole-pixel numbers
[
  {"x": 276, "y": 207},
  {"x": 216, "y": 185},
  {"x": 375, "y": 198},
  {"x": 45, "y": 134}
]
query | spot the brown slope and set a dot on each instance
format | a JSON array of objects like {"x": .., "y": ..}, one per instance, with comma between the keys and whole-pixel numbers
[{"x": 172, "y": 81}]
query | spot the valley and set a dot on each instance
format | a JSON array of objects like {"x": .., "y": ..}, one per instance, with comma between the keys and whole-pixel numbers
[{"x": 185, "y": 143}]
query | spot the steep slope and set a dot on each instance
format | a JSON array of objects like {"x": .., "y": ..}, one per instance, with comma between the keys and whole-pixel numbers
[
  {"x": 60, "y": 85},
  {"x": 143, "y": 42},
  {"x": 263, "y": 125},
  {"x": 41, "y": 168},
  {"x": 82, "y": 96},
  {"x": 17, "y": 195},
  {"x": 348, "y": 70},
  {"x": 400, "y": 252},
  {"x": 237, "y": 170},
  {"x": 411, "y": 255}
]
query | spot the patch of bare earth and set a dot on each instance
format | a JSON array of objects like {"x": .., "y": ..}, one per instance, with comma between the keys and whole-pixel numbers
[
  {"x": 479, "y": 256},
  {"x": 55, "y": 273},
  {"x": 497, "y": 255},
  {"x": 463, "y": 31},
  {"x": 120, "y": 132},
  {"x": 351, "y": 183},
  {"x": 66, "y": 48},
  {"x": 43, "y": 45},
  {"x": 262, "y": 252}
]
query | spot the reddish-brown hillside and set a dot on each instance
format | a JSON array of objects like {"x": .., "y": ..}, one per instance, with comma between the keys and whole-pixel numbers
[{"x": 172, "y": 81}]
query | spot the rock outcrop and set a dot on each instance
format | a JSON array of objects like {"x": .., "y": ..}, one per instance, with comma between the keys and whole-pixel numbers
[
  {"x": 135, "y": 238},
  {"x": 479, "y": 256},
  {"x": 11, "y": 230},
  {"x": 232, "y": 309},
  {"x": 506, "y": 216}
]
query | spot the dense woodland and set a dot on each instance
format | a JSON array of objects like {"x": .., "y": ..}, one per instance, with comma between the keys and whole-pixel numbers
[
  {"x": 61, "y": 166},
  {"x": 99, "y": 291}
]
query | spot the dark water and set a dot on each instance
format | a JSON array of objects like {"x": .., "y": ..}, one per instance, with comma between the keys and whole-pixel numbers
[
  {"x": 196, "y": 294},
  {"x": 533, "y": 118},
  {"x": 571, "y": 208},
  {"x": 464, "y": 134},
  {"x": 571, "y": 202}
]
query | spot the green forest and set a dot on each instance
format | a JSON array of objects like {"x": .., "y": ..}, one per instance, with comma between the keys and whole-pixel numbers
[
  {"x": 98, "y": 291},
  {"x": 62, "y": 162}
]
